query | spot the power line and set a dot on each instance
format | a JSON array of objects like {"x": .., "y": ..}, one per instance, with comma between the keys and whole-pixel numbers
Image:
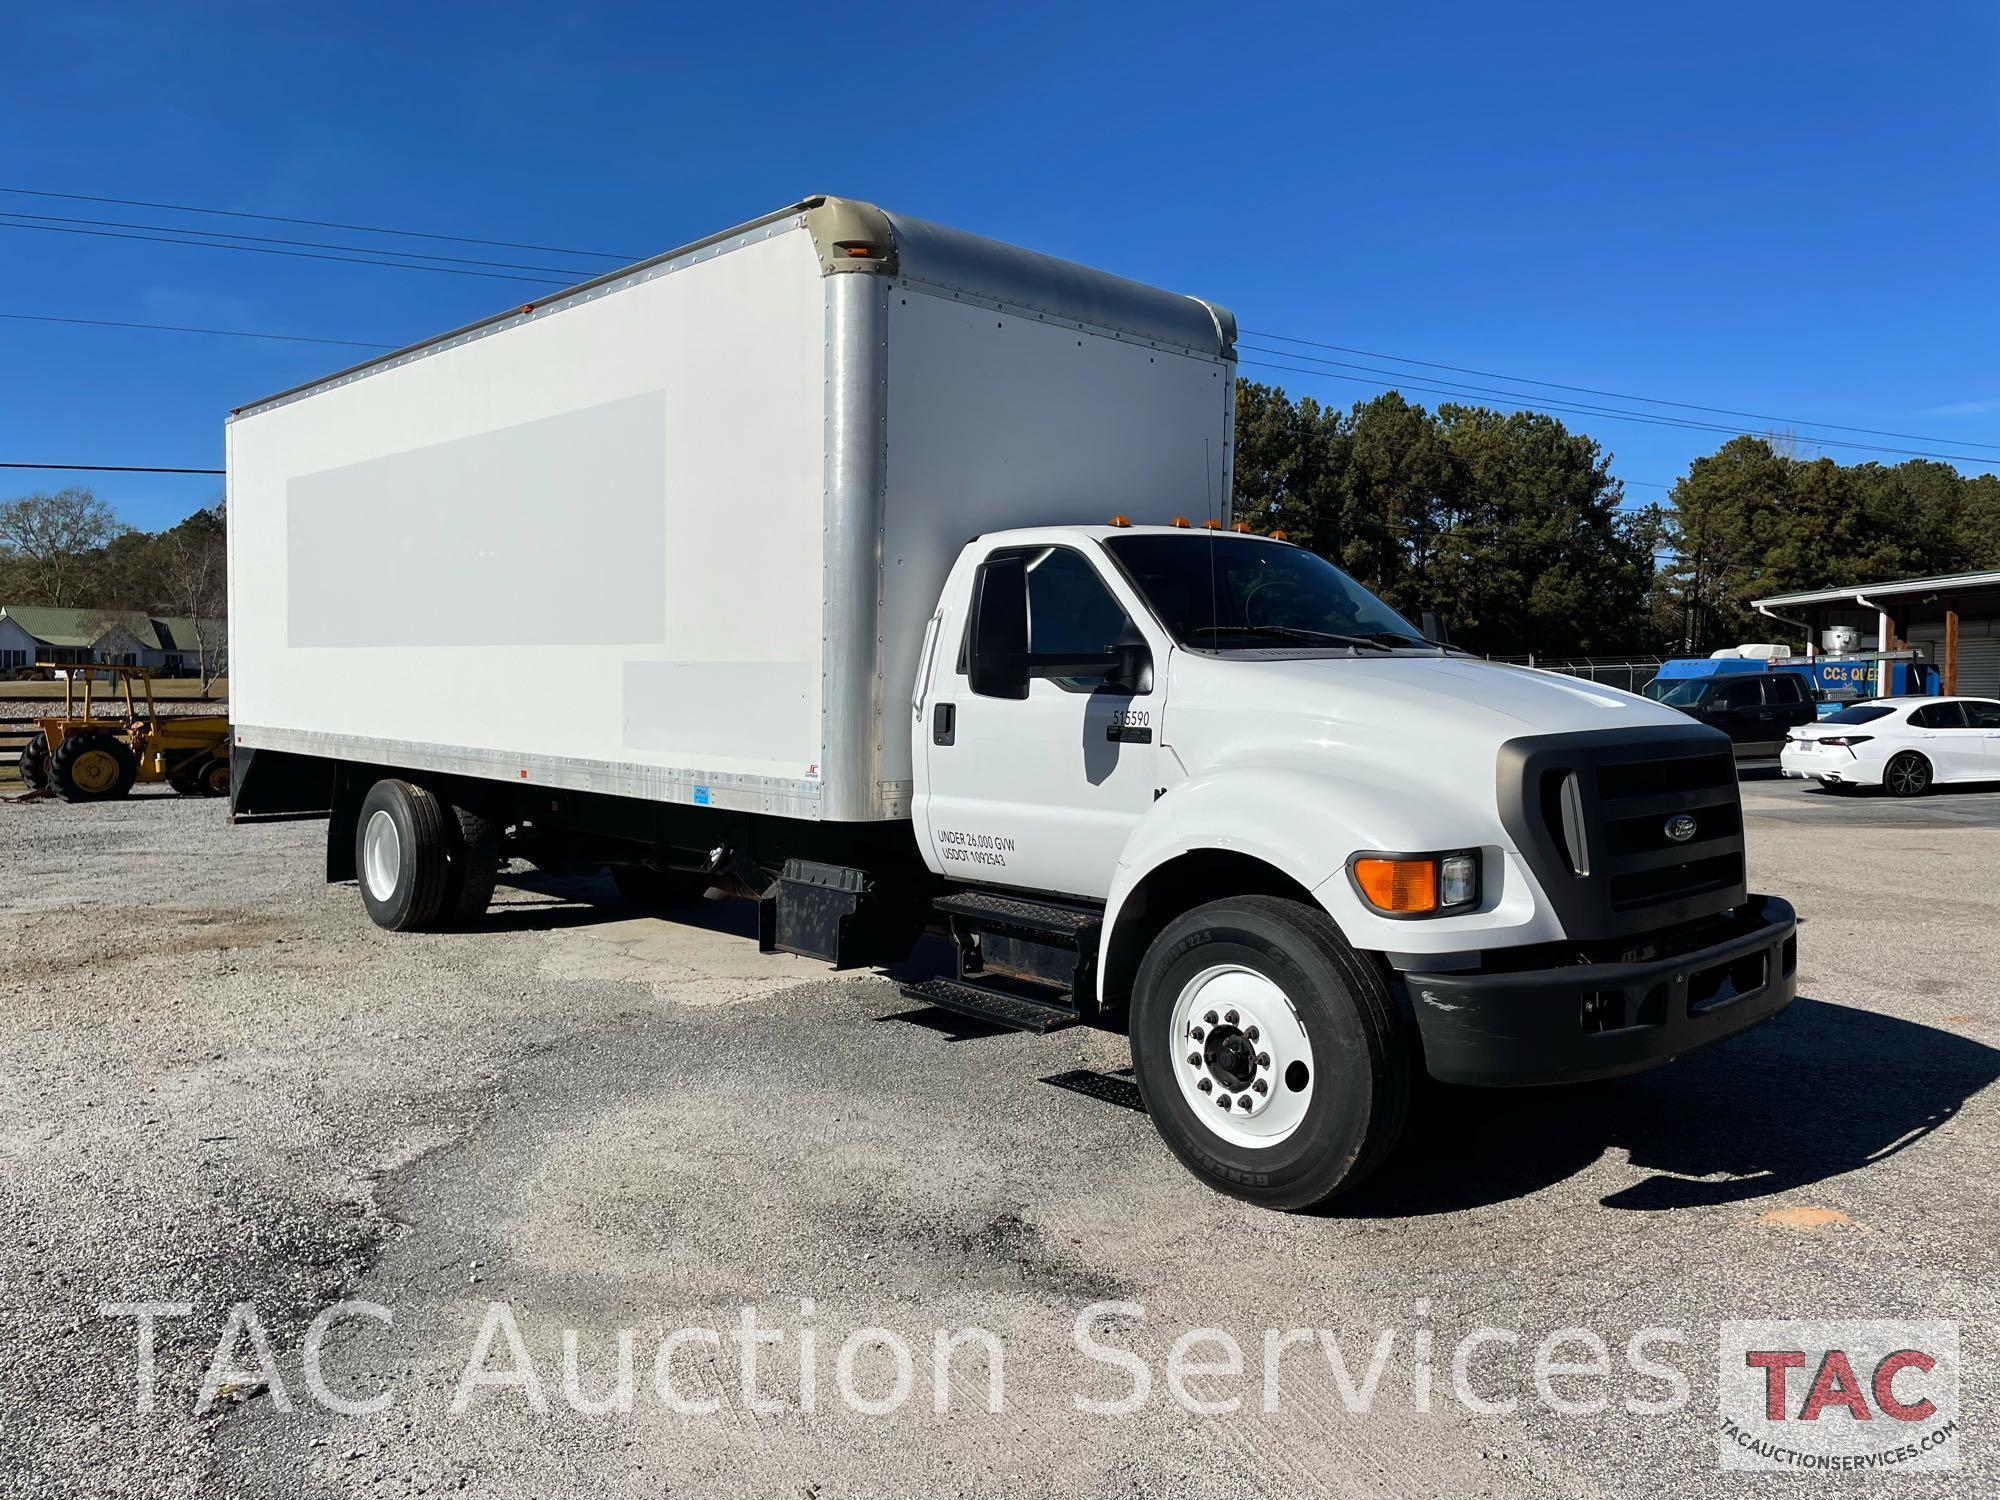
[
  {"x": 113, "y": 234},
  {"x": 1725, "y": 411},
  {"x": 1615, "y": 414},
  {"x": 112, "y": 468},
  {"x": 269, "y": 239},
  {"x": 232, "y": 213},
  {"x": 229, "y": 333}
]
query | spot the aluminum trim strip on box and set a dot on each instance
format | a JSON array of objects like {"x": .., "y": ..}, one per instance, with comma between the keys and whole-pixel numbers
[{"x": 780, "y": 796}]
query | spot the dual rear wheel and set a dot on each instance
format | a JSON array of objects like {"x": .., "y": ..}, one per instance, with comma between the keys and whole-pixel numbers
[{"x": 422, "y": 863}]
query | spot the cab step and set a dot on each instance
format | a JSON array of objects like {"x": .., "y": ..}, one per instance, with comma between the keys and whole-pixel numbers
[
  {"x": 1042, "y": 953},
  {"x": 999, "y": 1007},
  {"x": 1039, "y": 921}
]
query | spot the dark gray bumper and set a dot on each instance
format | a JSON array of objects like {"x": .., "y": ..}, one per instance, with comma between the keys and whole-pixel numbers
[{"x": 1599, "y": 1020}]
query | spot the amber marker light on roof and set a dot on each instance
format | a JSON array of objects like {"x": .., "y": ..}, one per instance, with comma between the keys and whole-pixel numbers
[
  {"x": 1180, "y": 521},
  {"x": 1121, "y": 521}
]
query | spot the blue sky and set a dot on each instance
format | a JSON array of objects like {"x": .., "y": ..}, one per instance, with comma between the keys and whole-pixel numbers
[{"x": 1789, "y": 209}]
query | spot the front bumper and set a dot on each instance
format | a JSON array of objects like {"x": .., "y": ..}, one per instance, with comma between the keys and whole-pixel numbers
[{"x": 1600, "y": 1020}]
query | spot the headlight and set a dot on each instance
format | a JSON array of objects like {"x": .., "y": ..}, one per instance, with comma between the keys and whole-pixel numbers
[{"x": 1417, "y": 885}]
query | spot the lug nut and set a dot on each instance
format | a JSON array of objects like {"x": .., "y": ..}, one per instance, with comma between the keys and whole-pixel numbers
[
  {"x": 1263, "y": 1059},
  {"x": 1210, "y": 1018},
  {"x": 1230, "y": 1018},
  {"x": 1204, "y": 1085},
  {"x": 1195, "y": 1033},
  {"x": 1261, "y": 1087},
  {"x": 1250, "y": 1033},
  {"x": 1244, "y": 1104},
  {"x": 1194, "y": 1059},
  {"x": 1224, "y": 1100}
]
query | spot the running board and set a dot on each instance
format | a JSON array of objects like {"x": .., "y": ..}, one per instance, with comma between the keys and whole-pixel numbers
[
  {"x": 1001, "y": 1009},
  {"x": 1012, "y": 947}
]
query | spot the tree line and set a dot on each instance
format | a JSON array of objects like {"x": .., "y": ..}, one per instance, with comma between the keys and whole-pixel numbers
[{"x": 1513, "y": 529}]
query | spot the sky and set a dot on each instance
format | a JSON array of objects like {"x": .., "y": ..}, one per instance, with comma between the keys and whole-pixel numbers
[{"x": 1787, "y": 209}]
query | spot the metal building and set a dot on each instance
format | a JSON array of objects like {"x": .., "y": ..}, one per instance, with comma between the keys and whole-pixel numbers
[{"x": 1952, "y": 621}]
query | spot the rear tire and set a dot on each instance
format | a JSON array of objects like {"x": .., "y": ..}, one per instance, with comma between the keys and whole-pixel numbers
[
  {"x": 92, "y": 767},
  {"x": 35, "y": 763},
  {"x": 1314, "y": 1024},
  {"x": 658, "y": 890},
  {"x": 1908, "y": 774},
  {"x": 402, "y": 856},
  {"x": 475, "y": 865}
]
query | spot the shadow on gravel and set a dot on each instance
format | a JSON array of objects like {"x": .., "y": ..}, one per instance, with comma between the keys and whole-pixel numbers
[
  {"x": 1824, "y": 1089},
  {"x": 586, "y": 900}
]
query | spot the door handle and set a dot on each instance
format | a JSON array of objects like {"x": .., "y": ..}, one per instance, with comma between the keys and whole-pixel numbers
[{"x": 944, "y": 724}]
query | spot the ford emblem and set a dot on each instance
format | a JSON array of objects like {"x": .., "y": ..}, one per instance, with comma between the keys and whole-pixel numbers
[{"x": 1680, "y": 827}]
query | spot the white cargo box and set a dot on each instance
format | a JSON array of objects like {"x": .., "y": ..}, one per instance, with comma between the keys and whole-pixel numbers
[{"x": 677, "y": 533}]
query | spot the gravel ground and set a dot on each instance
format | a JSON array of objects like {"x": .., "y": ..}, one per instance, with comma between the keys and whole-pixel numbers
[{"x": 220, "y": 1085}]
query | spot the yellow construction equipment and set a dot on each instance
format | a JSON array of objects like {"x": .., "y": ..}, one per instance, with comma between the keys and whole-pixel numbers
[{"x": 83, "y": 757}]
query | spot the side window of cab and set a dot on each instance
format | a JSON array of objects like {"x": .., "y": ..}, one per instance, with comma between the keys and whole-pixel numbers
[{"x": 1071, "y": 612}]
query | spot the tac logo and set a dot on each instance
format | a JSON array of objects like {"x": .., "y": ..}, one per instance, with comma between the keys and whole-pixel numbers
[{"x": 1839, "y": 1395}]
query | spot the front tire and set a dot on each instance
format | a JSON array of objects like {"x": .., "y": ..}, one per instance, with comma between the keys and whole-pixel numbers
[
  {"x": 1254, "y": 991},
  {"x": 402, "y": 856},
  {"x": 1908, "y": 774}
]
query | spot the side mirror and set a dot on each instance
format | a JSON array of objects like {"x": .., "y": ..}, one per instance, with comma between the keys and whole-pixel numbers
[
  {"x": 999, "y": 654},
  {"x": 1135, "y": 661},
  {"x": 1434, "y": 628}
]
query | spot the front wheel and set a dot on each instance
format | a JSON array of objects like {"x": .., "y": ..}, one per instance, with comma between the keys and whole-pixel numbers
[
  {"x": 1269, "y": 1053},
  {"x": 1907, "y": 775}
]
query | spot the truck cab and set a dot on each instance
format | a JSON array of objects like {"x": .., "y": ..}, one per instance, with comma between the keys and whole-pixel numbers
[{"x": 1303, "y": 842}]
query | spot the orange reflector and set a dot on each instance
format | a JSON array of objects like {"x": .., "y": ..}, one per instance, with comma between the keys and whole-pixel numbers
[
  {"x": 1178, "y": 521},
  {"x": 860, "y": 250},
  {"x": 1399, "y": 885},
  {"x": 1243, "y": 526},
  {"x": 1121, "y": 520}
]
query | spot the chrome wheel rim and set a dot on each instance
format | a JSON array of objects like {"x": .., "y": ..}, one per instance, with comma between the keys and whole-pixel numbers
[
  {"x": 1241, "y": 1056},
  {"x": 381, "y": 856}
]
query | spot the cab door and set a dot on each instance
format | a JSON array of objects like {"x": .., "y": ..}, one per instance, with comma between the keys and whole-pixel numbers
[{"x": 1041, "y": 792}]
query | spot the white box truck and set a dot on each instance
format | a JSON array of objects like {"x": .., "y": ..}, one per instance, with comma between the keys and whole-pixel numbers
[{"x": 886, "y": 573}]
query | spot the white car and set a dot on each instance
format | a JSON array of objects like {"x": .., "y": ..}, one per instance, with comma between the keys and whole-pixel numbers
[{"x": 1903, "y": 744}]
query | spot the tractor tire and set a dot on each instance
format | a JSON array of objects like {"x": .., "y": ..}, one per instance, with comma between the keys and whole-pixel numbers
[
  {"x": 475, "y": 865},
  {"x": 92, "y": 767},
  {"x": 213, "y": 780},
  {"x": 402, "y": 855},
  {"x": 35, "y": 763}
]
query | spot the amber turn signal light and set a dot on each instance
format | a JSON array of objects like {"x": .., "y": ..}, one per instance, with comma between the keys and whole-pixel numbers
[{"x": 1398, "y": 885}]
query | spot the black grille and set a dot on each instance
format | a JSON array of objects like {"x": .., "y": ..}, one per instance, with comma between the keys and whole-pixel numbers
[
  {"x": 1686, "y": 773},
  {"x": 1650, "y": 887},
  {"x": 1596, "y": 816}
]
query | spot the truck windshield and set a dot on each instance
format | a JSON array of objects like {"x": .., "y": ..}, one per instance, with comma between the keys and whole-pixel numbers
[
  {"x": 1224, "y": 593},
  {"x": 1683, "y": 694}
]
